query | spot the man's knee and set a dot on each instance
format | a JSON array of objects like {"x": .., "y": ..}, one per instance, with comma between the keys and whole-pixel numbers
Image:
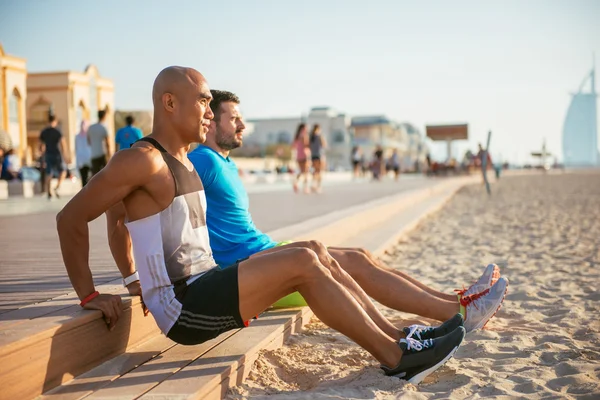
[
  {"x": 319, "y": 248},
  {"x": 353, "y": 261},
  {"x": 366, "y": 253},
  {"x": 307, "y": 265}
]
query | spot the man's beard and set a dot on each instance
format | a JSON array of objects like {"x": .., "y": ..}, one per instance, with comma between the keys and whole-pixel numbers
[{"x": 227, "y": 143}]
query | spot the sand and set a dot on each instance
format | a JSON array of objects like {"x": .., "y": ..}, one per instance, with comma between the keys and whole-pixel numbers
[{"x": 544, "y": 233}]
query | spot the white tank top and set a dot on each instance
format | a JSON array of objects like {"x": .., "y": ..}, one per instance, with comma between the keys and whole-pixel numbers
[{"x": 172, "y": 245}]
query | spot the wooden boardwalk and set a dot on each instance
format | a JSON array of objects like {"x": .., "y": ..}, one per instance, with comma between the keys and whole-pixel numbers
[{"x": 31, "y": 266}]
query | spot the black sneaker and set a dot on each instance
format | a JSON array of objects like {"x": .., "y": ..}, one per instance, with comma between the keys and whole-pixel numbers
[
  {"x": 422, "y": 332},
  {"x": 422, "y": 358}
]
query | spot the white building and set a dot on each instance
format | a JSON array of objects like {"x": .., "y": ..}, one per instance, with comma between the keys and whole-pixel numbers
[{"x": 580, "y": 130}]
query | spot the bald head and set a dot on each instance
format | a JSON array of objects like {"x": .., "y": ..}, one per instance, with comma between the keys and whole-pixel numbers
[
  {"x": 181, "y": 98},
  {"x": 175, "y": 80}
]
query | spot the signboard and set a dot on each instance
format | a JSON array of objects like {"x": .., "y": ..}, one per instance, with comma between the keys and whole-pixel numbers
[{"x": 448, "y": 132}]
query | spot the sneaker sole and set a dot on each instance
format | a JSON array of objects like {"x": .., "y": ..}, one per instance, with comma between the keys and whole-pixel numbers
[
  {"x": 415, "y": 380},
  {"x": 487, "y": 319}
]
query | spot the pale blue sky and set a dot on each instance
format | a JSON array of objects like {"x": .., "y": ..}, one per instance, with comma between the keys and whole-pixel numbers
[{"x": 508, "y": 66}]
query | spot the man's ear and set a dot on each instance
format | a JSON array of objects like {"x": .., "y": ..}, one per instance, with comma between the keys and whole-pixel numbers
[{"x": 168, "y": 101}]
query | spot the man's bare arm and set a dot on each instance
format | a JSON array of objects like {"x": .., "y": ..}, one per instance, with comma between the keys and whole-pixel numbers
[
  {"x": 63, "y": 151},
  {"x": 108, "y": 153},
  {"x": 126, "y": 172}
]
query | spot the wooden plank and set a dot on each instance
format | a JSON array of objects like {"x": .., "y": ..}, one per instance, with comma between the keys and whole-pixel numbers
[
  {"x": 238, "y": 377},
  {"x": 147, "y": 376},
  {"x": 16, "y": 335},
  {"x": 104, "y": 374},
  {"x": 229, "y": 362},
  {"x": 73, "y": 347},
  {"x": 54, "y": 305}
]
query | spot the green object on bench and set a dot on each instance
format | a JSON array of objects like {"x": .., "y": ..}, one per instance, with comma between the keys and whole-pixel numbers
[{"x": 291, "y": 300}]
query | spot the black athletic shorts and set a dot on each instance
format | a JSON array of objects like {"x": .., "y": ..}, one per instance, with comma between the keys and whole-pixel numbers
[
  {"x": 210, "y": 306},
  {"x": 54, "y": 165}
]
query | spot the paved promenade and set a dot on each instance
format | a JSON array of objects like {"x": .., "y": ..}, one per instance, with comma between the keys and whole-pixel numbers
[{"x": 31, "y": 267}]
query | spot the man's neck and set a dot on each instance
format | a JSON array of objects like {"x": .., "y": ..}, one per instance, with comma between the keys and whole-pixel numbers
[
  {"x": 172, "y": 144},
  {"x": 212, "y": 145}
]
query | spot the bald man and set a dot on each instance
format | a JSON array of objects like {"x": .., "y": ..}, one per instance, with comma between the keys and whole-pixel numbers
[{"x": 191, "y": 298}]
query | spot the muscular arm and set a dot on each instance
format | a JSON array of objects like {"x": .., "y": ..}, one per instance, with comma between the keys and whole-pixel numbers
[{"x": 110, "y": 186}]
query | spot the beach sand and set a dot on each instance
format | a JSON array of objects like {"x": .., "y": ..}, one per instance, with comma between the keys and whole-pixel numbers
[{"x": 544, "y": 233}]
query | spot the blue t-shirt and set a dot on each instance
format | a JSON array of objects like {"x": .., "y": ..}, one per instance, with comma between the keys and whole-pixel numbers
[
  {"x": 232, "y": 232},
  {"x": 126, "y": 136}
]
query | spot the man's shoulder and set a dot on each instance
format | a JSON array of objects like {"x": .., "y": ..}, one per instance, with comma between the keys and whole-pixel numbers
[
  {"x": 204, "y": 156},
  {"x": 97, "y": 128},
  {"x": 49, "y": 130},
  {"x": 145, "y": 157}
]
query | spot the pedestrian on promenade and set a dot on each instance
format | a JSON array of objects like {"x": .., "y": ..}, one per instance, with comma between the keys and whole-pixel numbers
[
  {"x": 393, "y": 164},
  {"x": 98, "y": 140},
  {"x": 54, "y": 154},
  {"x": 302, "y": 152},
  {"x": 317, "y": 145},
  {"x": 83, "y": 154},
  {"x": 127, "y": 135}
]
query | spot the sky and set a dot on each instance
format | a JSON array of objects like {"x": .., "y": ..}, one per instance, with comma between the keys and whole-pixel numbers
[{"x": 507, "y": 67}]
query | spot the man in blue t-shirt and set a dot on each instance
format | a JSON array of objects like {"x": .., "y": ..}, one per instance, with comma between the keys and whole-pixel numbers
[
  {"x": 233, "y": 236},
  {"x": 127, "y": 135}
]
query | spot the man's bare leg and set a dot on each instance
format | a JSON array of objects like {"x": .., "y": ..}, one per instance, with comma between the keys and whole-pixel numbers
[
  {"x": 347, "y": 281},
  {"x": 265, "y": 279},
  {"x": 394, "y": 290},
  {"x": 119, "y": 240},
  {"x": 48, "y": 188},
  {"x": 371, "y": 259},
  {"x": 61, "y": 178}
]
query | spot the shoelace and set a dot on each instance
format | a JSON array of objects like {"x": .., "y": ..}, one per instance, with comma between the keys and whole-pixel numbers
[
  {"x": 466, "y": 300},
  {"x": 464, "y": 290},
  {"x": 416, "y": 345},
  {"x": 417, "y": 330}
]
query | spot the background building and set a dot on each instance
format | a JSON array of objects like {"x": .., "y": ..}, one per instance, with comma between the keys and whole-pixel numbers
[
  {"x": 378, "y": 130},
  {"x": 72, "y": 97},
  {"x": 580, "y": 131},
  {"x": 13, "y": 95}
]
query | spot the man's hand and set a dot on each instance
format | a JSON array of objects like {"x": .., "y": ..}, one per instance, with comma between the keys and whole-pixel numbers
[
  {"x": 110, "y": 305},
  {"x": 135, "y": 289}
]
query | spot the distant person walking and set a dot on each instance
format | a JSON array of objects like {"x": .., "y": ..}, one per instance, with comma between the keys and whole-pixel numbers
[
  {"x": 54, "y": 154},
  {"x": 98, "y": 141},
  {"x": 317, "y": 145},
  {"x": 83, "y": 154},
  {"x": 393, "y": 164},
  {"x": 356, "y": 159},
  {"x": 300, "y": 147},
  {"x": 5, "y": 146},
  {"x": 377, "y": 164},
  {"x": 128, "y": 134}
]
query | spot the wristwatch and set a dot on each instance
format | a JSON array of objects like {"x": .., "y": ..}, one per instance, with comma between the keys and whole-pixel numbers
[{"x": 131, "y": 278}]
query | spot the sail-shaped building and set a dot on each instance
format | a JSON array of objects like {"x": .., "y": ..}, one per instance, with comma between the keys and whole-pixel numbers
[{"x": 580, "y": 130}]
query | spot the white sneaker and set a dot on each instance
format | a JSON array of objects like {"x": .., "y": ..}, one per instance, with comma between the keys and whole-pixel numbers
[
  {"x": 486, "y": 280},
  {"x": 479, "y": 308}
]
